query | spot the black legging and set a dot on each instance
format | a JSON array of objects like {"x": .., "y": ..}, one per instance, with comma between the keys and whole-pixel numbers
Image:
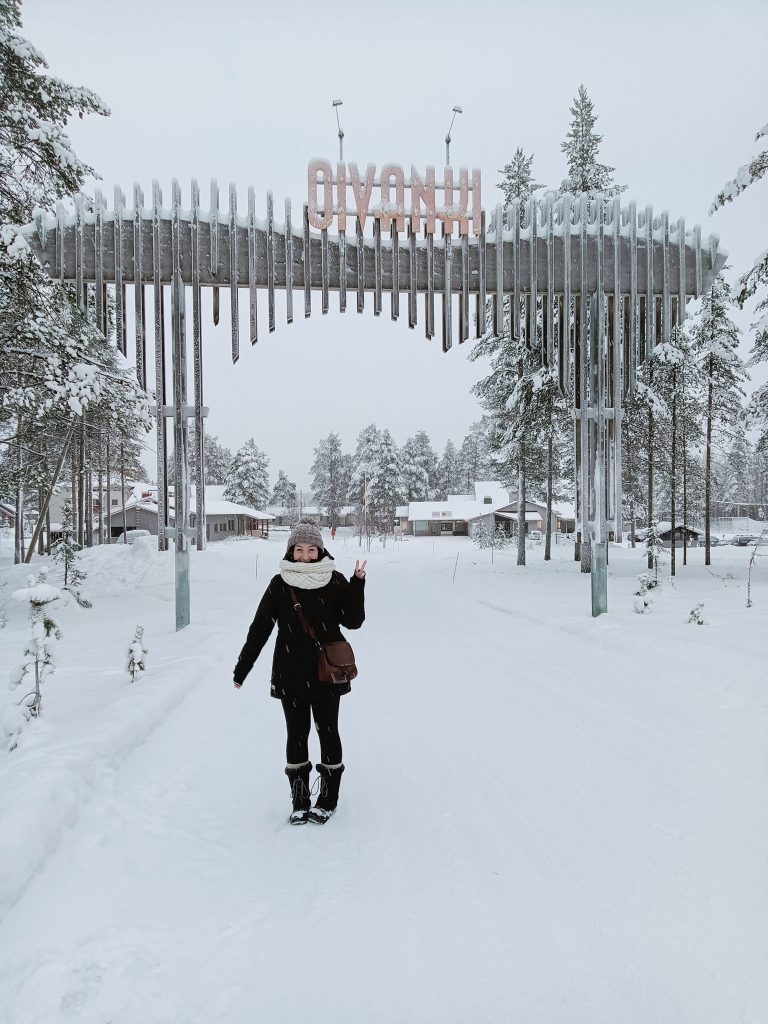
[{"x": 325, "y": 711}]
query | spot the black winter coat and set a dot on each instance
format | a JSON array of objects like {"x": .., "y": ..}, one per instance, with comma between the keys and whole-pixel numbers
[{"x": 294, "y": 664}]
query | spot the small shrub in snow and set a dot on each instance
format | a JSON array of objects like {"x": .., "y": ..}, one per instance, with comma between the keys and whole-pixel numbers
[
  {"x": 643, "y": 601},
  {"x": 65, "y": 554},
  {"x": 137, "y": 655},
  {"x": 496, "y": 539},
  {"x": 697, "y": 615},
  {"x": 39, "y": 662}
]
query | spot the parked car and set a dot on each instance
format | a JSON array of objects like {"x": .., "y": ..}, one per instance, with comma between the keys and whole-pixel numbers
[
  {"x": 713, "y": 541},
  {"x": 742, "y": 539}
]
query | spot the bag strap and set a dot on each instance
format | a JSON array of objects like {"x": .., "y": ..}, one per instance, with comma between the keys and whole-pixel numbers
[{"x": 297, "y": 608}]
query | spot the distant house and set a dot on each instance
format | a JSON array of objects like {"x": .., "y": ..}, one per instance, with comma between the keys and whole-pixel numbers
[
  {"x": 286, "y": 517},
  {"x": 535, "y": 518},
  {"x": 224, "y": 519},
  {"x": 452, "y": 516},
  {"x": 665, "y": 534}
]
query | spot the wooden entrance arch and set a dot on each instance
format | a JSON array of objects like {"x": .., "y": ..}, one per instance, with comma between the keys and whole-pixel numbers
[{"x": 598, "y": 284}]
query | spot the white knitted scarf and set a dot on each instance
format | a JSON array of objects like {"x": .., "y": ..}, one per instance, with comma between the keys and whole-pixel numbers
[{"x": 307, "y": 575}]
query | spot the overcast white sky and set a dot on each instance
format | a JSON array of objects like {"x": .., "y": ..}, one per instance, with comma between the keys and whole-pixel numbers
[{"x": 241, "y": 91}]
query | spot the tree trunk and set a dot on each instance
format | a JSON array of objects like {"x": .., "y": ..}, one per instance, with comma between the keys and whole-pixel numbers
[
  {"x": 708, "y": 469},
  {"x": 47, "y": 501},
  {"x": 108, "y": 502},
  {"x": 650, "y": 478},
  {"x": 521, "y": 510},
  {"x": 89, "y": 508},
  {"x": 673, "y": 475},
  {"x": 122, "y": 493},
  {"x": 47, "y": 529},
  {"x": 550, "y": 474},
  {"x": 40, "y": 515},
  {"x": 685, "y": 498},
  {"x": 632, "y": 523},
  {"x": 81, "y": 485},
  {"x": 18, "y": 554}
]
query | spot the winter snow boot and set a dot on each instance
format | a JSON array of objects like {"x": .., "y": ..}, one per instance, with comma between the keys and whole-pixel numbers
[
  {"x": 328, "y": 780},
  {"x": 302, "y": 800}
]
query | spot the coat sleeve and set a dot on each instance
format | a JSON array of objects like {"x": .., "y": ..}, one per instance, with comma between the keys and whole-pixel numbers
[
  {"x": 261, "y": 628},
  {"x": 352, "y": 602}
]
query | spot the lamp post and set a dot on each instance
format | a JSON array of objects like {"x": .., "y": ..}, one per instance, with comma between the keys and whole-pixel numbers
[
  {"x": 336, "y": 105},
  {"x": 456, "y": 110}
]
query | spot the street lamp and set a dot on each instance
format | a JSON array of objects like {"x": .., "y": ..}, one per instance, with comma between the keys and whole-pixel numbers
[
  {"x": 336, "y": 105},
  {"x": 456, "y": 110}
]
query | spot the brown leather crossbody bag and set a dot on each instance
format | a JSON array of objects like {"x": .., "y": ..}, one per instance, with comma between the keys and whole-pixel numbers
[{"x": 335, "y": 658}]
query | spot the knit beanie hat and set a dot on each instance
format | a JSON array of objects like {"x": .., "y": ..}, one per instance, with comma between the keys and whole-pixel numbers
[{"x": 306, "y": 533}]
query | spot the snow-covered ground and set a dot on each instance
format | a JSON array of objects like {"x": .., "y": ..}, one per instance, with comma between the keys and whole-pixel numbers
[{"x": 545, "y": 819}]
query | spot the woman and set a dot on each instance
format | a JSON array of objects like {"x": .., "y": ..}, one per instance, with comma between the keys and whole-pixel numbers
[{"x": 327, "y": 601}]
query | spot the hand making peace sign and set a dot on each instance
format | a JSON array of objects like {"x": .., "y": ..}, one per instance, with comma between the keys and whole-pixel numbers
[{"x": 360, "y": 569}]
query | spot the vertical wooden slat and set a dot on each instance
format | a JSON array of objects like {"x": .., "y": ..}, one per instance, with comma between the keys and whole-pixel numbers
[
  {"x": 650, "y": 315},
  {"x": 564, "y": 343},
  {"x": 360, "y": 266},
  {"x": 429, "y": 317},
  {"x": 120, "y": 332},
  {"x": 307, "y": 265},
  {"x": 464, "y": 317},
  {"x": 412, "y": 278},
  {"x": 565, "y": 322},
  {"x": 549, "y": 297},
  {"x": 214, "y": 244},
  {"x": 481, "y": 268},
  {"x": 233, "y": 291},
  {"x": 531, "y": 337},
  {"x": 197, "y": 367},
  {"x": 139, "y": 314},
  {"x": 98, "y": 242},
  {"x": 631, "y": 357},
  {"x": 342, "y": 271},
  {"x": 395, "y": 249},
  {"x": 157, "y": 293},
  {"x": 697, "y": 258},
  {"x": 253, "y": 295},
  {"x": 60, "y": 240},
  {"x": 447, "y": 290},
  {"x": 583, "y": 365},
  {"x": 377, "y": 299},
  {"x": 271, "y": 262},
  {"x": 666, "y": 311},
  {"x": 324, "y": 272},
  {"x": 79, "y": 251},
  {"x": 288, "y": 263},
  {"x": 498, "y": 299},
  {"x": 514, "y": 305},
  {"x": 681, "y": 271}
]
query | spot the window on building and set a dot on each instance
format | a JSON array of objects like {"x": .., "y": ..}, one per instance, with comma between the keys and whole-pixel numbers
[
  {"x": 487, "y": 500},
  {"x": 115, "y": 501},
  {"x": 231, "y": 524}
]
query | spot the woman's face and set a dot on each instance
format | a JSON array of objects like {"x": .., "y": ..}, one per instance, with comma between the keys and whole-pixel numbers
[{"x": 305, "y": 553}]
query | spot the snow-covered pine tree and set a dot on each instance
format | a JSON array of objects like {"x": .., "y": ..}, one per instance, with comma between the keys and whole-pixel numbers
[
  {"x": 247, "y": 479},
  {"x": 448, "y": 479},
  {"x": 39, "y": 661},
  {"x": 385, "y": 488},
  {"x": 517, "y": 178},
  {"x": 715, "y": 342},
  {"x": 37, "y": 321},
  {"x": 582, "y": 143},
  {"x": 418, "y": 468},
  {"x": 473, "y": 458},
  {"x": 653, "y": 548},
  {"x": 754, "y": 282},
  {"x": 284, "y": 494},
  {"x": 65, "y": 555},
  {"x": 330, "y": 480},
  {"x": 217, "y": 458},
  {"x": 137, "y": 655},
  {"x": 363, "y": 466}
]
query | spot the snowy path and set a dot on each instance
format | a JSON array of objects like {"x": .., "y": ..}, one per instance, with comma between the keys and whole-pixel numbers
[{"x": 526, "y": 833}]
